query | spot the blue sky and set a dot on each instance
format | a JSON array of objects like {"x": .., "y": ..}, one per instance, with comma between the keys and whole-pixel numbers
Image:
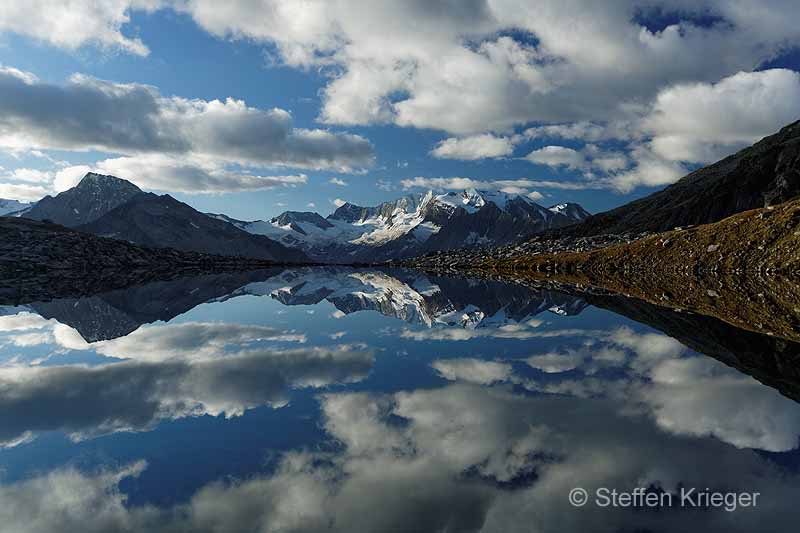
[{"x": 381, "y": 99}]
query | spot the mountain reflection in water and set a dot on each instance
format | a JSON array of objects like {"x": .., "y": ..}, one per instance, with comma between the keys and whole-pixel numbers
[{"x": 308, "y": 399}]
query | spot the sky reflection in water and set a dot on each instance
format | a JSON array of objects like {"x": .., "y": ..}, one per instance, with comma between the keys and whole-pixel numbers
[{"x": 307, "y": 400}]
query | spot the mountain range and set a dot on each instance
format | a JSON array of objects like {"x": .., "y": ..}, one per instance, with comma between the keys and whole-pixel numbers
[
  {"x": 413, "y": 225},
  {"x": 9, "y": 207},
  {"x": 112, "y": 207},
  {"x": 764, "y": 174}
]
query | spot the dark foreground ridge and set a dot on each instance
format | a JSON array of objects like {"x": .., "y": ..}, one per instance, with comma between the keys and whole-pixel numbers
[{"x": 41, "y": 259}]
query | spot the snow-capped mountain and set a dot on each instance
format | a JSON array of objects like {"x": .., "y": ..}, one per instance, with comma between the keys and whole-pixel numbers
[
  {"x": 415, "y": 298},
  {"x": 10, "y": 207},
  {"x": 414, "y": 224}
]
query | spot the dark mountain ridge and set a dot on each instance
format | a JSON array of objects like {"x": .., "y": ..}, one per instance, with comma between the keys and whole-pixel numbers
[
  {"x": 764, "y": 174},
  {"x": 108, "y": 206},
  {"x": 94, "y": 196},
  {"x": 164, "y": 222}
]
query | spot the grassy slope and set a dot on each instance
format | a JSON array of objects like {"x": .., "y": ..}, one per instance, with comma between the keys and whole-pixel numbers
[{"x": 742, "y": 269}]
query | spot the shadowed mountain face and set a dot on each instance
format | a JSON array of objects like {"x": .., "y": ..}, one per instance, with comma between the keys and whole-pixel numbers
[
  {"x": 164, "y": 222},
  {"x": 92, "y": 198},
  {"x": 764, "y": 174},
  {"x": 111, "y": 207}
]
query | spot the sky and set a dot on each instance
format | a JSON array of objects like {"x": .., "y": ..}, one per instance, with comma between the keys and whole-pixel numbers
[{"x": 255, "y": 107}]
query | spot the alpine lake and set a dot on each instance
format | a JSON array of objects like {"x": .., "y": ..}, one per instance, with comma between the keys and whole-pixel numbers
[{"x": 359, "y": 400}]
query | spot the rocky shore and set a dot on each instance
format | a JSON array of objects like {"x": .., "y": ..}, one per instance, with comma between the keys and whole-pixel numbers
[
  {"x": 744, "y": 269},
  {"x": 468, "y": 258}
]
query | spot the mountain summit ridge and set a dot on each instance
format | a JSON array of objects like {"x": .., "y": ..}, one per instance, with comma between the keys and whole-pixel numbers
[
  {"x": 413, "y": 224},
  {"x": 112, "y": 207}
]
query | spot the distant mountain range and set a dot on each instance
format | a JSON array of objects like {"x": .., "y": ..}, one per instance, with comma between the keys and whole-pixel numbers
[
  {"x": 764, "y": 174},
  {"x": 111, "y": 207},
  {"x": 413, "y": 225},
  {"x": 8, "y": 207}
]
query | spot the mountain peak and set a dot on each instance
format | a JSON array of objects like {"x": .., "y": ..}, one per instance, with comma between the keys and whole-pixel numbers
[
  {"x": 94, "y": 196},
  {"x": 95, "y": 180}
]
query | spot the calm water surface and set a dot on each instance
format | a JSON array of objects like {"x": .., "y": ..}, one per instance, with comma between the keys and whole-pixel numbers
[{"x": 370, "y": 401}]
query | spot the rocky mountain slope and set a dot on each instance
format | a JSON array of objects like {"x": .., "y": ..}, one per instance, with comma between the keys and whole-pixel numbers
[
  {"x": 94, "y": 196},
  {"x": 414, "y": 224},
  {"x": 112, "y": 207},
  {"x": 743, "y": 269},
  {"x": 41, "y": 259},
  {"x": 162, "y": 221},
  {"x": 764, "y": 174}
]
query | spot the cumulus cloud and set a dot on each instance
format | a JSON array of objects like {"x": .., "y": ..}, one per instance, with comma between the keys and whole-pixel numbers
[
  {"x": 71, "y": 25},
  {"x": 187, "y": 141},
  {"x": 686, "y": 124},
  {"x": 337, "y": 181},
  {"x": 702, "y": 122},
  {"x": 22, "y": 192},
  {"x": 473, "y": 148},
  {"x": 557, "y": 156},
  {"x": 165, "y": 173},
  {"x": 444, "y": 65},
  {"x": 134, "y": 395}
]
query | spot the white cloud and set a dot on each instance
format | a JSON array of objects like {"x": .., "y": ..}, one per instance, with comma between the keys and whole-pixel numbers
[
  {"x": 29, "y": 175},
  {"x": 460, "y": 460},
  {"x": 311, "y": 205},
  {"x": 73, "y": 24},
  {"x": 337, "y": 181},
  {"x": 557, "y": 156},
  {"x": 68, "y": 177},
  {"x": 191, "y": 139},
  {"x": 338, "y": 202},
  {"x": 25, "y": 193},
  {"x": 189, "y": 175},
  {"x": 443, "y": 66},
  {"x": 518, "y": 186},
  {"x": 687, "y": 123},
  {"x": 536, "y": 196},
  {"x": 473, "y": 148},
  {"x": 702, "y": 122}
]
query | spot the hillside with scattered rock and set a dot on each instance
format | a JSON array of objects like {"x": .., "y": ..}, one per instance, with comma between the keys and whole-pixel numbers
[
  {"x": 743, "y": 269},
  {"x": 761, "y": 175},
  {"x": 41, "y": 258}
]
